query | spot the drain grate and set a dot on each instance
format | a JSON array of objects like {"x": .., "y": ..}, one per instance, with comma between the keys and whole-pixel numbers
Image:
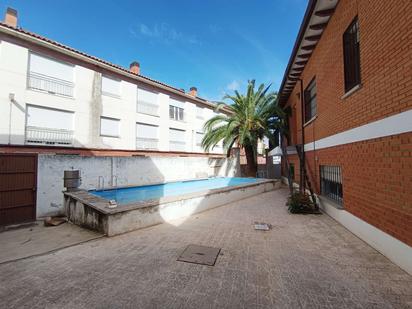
[
  {"x": 260, "y": 226},
  {"x": 199, "y": 255}
]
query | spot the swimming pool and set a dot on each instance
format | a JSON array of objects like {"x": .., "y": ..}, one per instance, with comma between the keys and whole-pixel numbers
[
  {"x": 124, "y": 196},
  {"x": 142, "y": 206}
]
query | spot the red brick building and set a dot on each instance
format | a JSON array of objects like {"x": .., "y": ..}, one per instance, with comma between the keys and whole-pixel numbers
[{"x": 352, "y": 61}]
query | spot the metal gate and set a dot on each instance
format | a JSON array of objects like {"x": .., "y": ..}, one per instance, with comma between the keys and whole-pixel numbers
[{"x": 18, "y": 175}]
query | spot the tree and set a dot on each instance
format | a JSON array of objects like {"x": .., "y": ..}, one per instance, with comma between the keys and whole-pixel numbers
[{"x": 249, "y": 117}]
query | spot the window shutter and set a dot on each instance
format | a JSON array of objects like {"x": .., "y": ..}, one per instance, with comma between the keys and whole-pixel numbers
[
  {"x": 109, "y": 126},
  {"x": 49, "y": 118},
  {"x": 51, "y": 68},
  {"x": 110, "y": 86},
  {"x": 146, "y": 131}
]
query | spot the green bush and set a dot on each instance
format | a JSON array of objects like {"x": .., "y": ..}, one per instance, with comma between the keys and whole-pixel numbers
[{"x": 300, "y": 203}]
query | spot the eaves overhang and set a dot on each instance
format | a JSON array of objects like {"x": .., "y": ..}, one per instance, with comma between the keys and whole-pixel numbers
[{"x": 315, "y": 20}]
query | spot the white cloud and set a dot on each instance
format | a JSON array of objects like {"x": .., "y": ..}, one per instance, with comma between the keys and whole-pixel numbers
[
  {"x": 164, "y": 33},
  {"x": 234, "y": 85}
]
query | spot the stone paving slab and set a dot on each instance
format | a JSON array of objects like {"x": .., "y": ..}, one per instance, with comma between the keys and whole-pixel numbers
[
  {"x": 37, "y": 239},
  {"x": 304, "y": 261}
]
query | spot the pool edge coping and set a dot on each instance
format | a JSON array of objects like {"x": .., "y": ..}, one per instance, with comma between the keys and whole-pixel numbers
[{"x": 102, "y": 205}]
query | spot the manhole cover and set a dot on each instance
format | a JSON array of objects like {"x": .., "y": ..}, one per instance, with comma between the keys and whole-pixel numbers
[
  {"x": 199, "y": 255},
  {"x": 260, "y": 226}
]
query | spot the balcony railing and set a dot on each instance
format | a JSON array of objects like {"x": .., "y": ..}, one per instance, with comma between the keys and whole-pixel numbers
[
  {"x": 177, "y": 146},
  {"x": 148, "y": 108},
  {"x": 46, "y": 136},
  {"x": 143, "y": 143},
  {"x": 50, "y": 84}
]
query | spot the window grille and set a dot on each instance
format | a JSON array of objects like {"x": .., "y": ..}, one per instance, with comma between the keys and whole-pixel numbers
[
  {"x": 351, "y": 55},
  {"x": 331, "y": 183},
  {"x": 310, "y": 101}
]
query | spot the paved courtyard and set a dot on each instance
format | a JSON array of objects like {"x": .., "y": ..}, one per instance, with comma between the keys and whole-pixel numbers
[{"x": 303, "y": 262}]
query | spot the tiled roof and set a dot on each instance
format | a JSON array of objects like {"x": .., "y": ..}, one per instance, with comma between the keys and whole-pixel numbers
[{"x": 34, "y": 35}]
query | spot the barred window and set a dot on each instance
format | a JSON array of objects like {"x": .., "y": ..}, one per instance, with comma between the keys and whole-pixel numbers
[
  {"x": 351, "y": 55},
  {"x": 310, "y": 101},
  {"x": 331, "y": 183}
]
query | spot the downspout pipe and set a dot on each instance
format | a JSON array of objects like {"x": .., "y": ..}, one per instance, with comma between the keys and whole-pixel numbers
[{"x": 302, "y": 118}]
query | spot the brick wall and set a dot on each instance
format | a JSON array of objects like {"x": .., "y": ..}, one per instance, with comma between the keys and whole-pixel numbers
[
  {"x": 377, "y": 180},
  {"x": 386, "y": 68},
  {"x": 377, "y": 173}
]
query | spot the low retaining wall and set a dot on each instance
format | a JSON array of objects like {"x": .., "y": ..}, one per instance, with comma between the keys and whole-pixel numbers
[
  {"x": 93, "y": 212},
  {"x": 123, "y": 171}
]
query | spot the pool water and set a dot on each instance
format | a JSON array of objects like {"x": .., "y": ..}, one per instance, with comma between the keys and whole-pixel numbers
[{"x": 143, "y": 193}]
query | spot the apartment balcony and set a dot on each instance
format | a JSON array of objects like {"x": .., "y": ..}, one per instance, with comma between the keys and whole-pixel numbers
[
  {"x": 143, "y": 143},
  {"x": 148, "y": 108},
  {"x": 46, "y": 136},
  {"x": 49, "y": 84},
  {"x": 177, "y": 146}
]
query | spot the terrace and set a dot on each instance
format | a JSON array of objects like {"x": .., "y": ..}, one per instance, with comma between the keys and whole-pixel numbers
[{"x": 303, "y": 261}]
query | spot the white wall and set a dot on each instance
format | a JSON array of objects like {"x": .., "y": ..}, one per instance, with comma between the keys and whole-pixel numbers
[
  {"x": 397, "y": 251},
  {"x": 87, "y": 104},
  {"x": 129, "y": 171}
]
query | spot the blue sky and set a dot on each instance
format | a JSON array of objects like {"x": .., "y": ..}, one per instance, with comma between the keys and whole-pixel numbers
[{"x": 214, "y": 45}]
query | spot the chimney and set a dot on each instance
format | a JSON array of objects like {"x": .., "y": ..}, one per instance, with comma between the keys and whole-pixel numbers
[
  {"x": 193, "y": 91},
  {"x": 135, "y": 67},
  {"x": 10, "y": 19}
]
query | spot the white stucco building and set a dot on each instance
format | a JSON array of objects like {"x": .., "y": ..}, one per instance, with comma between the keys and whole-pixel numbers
[{"x": 52, "y": 95}]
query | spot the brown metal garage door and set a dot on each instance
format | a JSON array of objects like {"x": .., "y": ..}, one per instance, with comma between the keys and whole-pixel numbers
[{"x": 18, "y": 174}]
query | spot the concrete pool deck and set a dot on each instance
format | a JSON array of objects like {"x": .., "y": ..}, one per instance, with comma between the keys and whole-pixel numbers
[
  {"x": 94, "y": 212},
  {"x": 304, "y": 261}
]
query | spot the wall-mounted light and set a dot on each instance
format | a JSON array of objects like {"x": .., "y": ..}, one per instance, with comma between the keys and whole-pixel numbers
[{"x": 11, "y": 97}]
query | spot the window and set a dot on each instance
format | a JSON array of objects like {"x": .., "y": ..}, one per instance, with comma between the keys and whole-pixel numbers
[
  {"x": 111, "y": 86},
  {"x": 176, "y": 113},
  {"x": 147, "y": 102},
  {"x": 49, "y": 126},
  {"x": 199, "y": 138},
  {"x": 351, "y": 55},
  {"x": 310, "y": 101},
  {"x": 177, "y": 140},
  {"x": 176, "y": 110},
  {"x": 50, "y": 75},
  {"x": 146, "y": 136},
  {"x": 109, "y": 127},
  {"x": 199, "y": 112},
  {"x": 331, "y": 183}
]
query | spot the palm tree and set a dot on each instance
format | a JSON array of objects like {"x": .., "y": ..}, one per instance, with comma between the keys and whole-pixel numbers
[{"x": 250, "y": 117}]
